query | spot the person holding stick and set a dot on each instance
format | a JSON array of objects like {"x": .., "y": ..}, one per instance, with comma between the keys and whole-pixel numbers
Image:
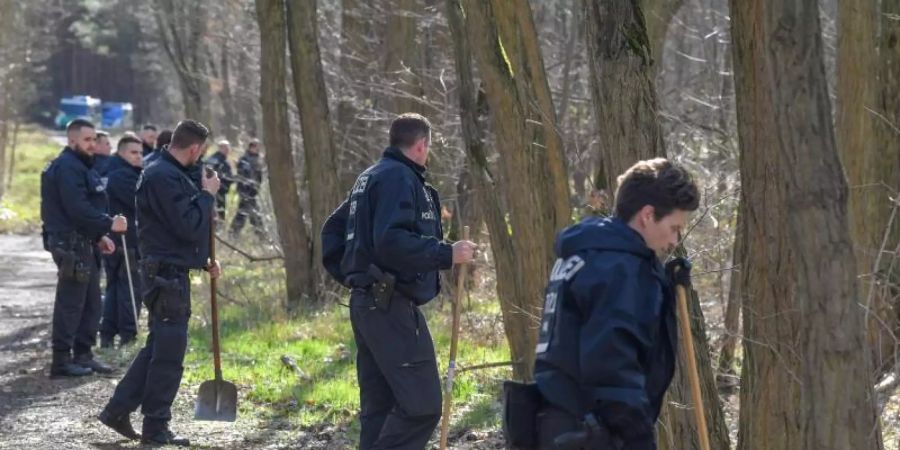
[
  {"x": 607, "y": 345},
  {"x": 174, "y": 218},
  {"x": 120, "y": 315},
  {"x": 385, "y": 243}
]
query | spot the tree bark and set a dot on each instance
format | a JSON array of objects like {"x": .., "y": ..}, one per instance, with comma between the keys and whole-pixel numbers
[
  {"x": 532, "y": 163},
  {"x": 292, "y": 231},
  {"x": 312, "y": 103},
  {"x": 622, "y": 87},
  {"x": 806, "y": 385},
  {"x": 403, "y": 58}
]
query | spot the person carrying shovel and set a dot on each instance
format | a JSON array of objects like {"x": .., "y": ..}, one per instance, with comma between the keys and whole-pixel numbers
[
  {"x": 385, "y": 243},
  {"x": 607, "y": 345},
  {"x": 173, "y": 218}
]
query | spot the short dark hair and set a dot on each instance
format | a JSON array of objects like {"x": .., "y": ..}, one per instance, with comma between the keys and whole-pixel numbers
[
  {"x": 407, "y": 128},
  {"x": 125, "y": 140},
  {"x": 101, "y": 134},
  {"x": 187, "y": 133},
  {"x": 149, "y": 126},
  {"x": 164, "y": 138},
  {"x": 78, "y": 124},
  {"x": 659, "y": 183}
]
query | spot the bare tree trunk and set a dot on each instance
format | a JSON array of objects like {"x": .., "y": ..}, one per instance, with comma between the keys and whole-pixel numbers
[
  {"x": 248, "y": 107},
  {"x": 727, "y": 370},
  {"x": 403, "y": 57},
  {"x": 230, "y": 120},
  {"x": 622, "y": 86},
  {"x": 182, "y": 30},
  {"x": 295, "y": 241},
  {"x": 806, "y": 385},
  {"x": 312, "y": 102},
  {"x": 533, "y": 166}
]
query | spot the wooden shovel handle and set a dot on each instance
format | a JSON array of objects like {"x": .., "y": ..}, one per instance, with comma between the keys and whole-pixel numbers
[
  {"x": 687, "y": 341},
  {"x": 214, "y": 309},
  {"x": 454, "y": 343}
]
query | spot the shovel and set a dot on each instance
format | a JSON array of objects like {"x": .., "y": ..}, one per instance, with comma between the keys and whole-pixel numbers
[
  {"x": 454, "y": 342},
  {"x": 217, "y": 399}
]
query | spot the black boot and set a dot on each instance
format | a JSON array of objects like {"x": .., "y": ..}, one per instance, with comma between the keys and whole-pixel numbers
[
  {"x": 119, "y": 424},
  {"x": 62, "y": 366},
  {"x": 165, "y": 437},
  {"x": 93, "y": 365}
]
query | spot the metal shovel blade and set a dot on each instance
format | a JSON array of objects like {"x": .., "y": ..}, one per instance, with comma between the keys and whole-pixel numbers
[{"x": 216, "y": 401}]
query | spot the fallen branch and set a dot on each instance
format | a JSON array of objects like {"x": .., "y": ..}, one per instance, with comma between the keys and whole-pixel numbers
[
  {"x": 247, "y": 255},
  {"x": 488, "y": 366}
]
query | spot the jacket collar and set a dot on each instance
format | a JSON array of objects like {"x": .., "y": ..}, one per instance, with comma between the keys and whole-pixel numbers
[
  {"x": 87, "y": 160},
  {"x": 396, "y": 154}
]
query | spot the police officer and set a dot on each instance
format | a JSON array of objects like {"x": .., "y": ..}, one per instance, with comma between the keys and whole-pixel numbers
[
  {"x": 219, "y": 162},
  {"x": 102, "y": 150},
  {"x": 118, "y": 316},
  {"x": 607, "y": 345},
  {"x": 75, "y": 224},
  {"x": 249, "y": 178},
  {"x": 385, "y": 242},
  {"x": 148, "y": 138},
  {"x": 173, "y": 218}
]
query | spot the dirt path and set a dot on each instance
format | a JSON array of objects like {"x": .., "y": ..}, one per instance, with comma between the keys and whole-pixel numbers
[{"x": 37, "y": 413}]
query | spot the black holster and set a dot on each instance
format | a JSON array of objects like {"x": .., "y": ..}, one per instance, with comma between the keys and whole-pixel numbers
[
  {"x": 66, "y": 250},
  {"x": 164, "y": 295},
  {"x": 383, "y": 288}
]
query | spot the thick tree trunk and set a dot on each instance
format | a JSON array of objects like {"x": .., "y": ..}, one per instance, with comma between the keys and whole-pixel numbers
[
  {"x": 312, "y": 103},
  {"x": 533, "y": 166},
  {"x": 625, "y": 106},
  {"x": 806, "y": 385},
  {"x": 622, "y": 86},
  {"x": 292, "y": 230}
]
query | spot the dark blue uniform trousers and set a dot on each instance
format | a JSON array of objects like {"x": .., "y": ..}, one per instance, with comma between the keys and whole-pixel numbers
[
  {"x": 118, "y": 317},
  {"x": 76, "y": 310},
  {"x": 152, "y": 381},
  {"x": 399, "y": 386}
]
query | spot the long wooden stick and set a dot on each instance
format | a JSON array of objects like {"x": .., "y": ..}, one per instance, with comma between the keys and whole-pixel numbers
[
  {"x": 454, "y": 342},
  {"x": 691, "y": 366}
]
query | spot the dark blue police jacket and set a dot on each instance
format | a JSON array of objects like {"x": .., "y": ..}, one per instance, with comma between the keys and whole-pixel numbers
[
  {"x": 172, "y": 214},
  {"x": 121, "y": 186},
  {"x": 608, "y": 336},
  {"x": 73, "y": 197},
  {"x": 391, "y": 220}
]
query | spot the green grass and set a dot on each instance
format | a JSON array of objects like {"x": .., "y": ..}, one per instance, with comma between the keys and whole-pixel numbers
[
  {"x": 324, "y": 389},
  {"x": 20, "y": 206}
]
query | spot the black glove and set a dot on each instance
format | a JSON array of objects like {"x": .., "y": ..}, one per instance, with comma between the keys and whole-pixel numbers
[{"x": 679, "y": 271}]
